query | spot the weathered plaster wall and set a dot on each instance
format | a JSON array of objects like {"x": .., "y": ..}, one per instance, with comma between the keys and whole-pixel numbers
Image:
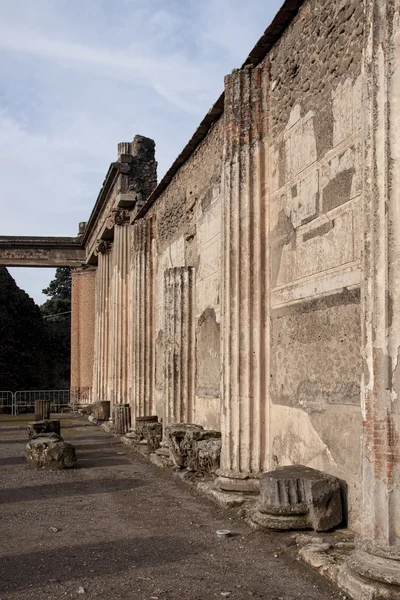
[
  {"x": 315, "y": 219},
  {"x": 187, "y": 234}
]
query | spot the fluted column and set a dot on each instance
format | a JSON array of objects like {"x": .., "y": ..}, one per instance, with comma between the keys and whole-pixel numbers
[
  {"x": 179, "y": 344},
  {"x": 244, "y": 285},
  {"x": 102, "y": 324},
  {"x": 119, "y": 309},
  {"x": 378, "y": 556},
  {"x": 142, "y": 320}
]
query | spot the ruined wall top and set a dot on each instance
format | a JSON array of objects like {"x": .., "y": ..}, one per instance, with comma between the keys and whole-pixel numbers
[
  {"x": 140, "y": 154},
  {"x": 129, "y": 182}
]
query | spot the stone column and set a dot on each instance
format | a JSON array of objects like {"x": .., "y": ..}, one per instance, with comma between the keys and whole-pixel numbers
[
  {"x": 119, "y": 308},
  {"x": 179, "y": 344},
  {"x": 244, "y": 285},
  {"x": 82, "y": 333},
  {"x": 102, "y": 325},
  {"x": 142, "y": 320},
  {"x": 378, "y": 556}
]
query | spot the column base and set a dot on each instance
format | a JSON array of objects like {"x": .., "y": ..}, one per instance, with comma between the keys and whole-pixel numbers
[
  {"x": 376, "y": 568},
  {"x": 231, "y": 481}
]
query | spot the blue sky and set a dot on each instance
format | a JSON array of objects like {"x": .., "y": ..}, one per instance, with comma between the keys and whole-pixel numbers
[{"x": 77, "y": 77}]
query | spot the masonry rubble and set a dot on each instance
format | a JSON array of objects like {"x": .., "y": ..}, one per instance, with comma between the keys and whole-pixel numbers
[{"x": 255, "y": 291}]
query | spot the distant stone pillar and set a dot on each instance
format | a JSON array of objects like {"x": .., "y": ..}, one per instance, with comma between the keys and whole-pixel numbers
[
  {"x": 82, "y": 333},
  {"x": 102, "y": 324},
  {"x": 377, "y": 559},
  {"x": 119, "y": 309},
  {"x": 244, "y": 285},
  {"x": 179, "y": 344},
  {"x": 142, "y": 320}
]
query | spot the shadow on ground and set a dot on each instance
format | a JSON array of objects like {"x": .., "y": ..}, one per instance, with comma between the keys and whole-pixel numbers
[
  {"x": 76, "y": 488},
  {"x": 92, "y": 560}
]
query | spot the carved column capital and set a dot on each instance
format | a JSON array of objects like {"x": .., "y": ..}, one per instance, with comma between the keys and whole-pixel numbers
[
  {"x": 102, "y": 247},
  {"x": 118, "y": 217}
]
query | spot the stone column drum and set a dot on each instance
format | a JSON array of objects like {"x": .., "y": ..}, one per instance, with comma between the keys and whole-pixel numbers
[
  {"x": 122, "y": 418},
  {"x": 42, "y": 410},
  {"x": 244, "y": 285}
]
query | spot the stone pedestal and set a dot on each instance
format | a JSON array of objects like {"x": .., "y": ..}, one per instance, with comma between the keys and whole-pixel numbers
[{"x": 42, "y": 410}]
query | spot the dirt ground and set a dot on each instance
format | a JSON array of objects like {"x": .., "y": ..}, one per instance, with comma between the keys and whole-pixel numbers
[{"x": 118, "y": 527}]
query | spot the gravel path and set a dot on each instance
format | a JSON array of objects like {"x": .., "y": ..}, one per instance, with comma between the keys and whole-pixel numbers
[{"x": 118, "y": 527}]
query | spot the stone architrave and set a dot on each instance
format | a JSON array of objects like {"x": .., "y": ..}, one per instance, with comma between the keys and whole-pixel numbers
[
  {"x": 244, "y": 284},
  {"x": 377, "y": 559}
]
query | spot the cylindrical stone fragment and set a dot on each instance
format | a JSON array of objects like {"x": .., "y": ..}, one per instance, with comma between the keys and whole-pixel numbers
[
  {"x": 122, "y": 418},
  {"x": 42, "y": 410}
]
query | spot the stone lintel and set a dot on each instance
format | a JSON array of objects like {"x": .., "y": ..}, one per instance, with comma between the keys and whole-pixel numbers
[{"x": 30, "y": 251}]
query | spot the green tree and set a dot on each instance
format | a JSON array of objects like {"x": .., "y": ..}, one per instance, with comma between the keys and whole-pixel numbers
[
  {"x": 58, "y": 307},
  {"x": 24, "y": 356},
  {"x": 56, "y": 312}
]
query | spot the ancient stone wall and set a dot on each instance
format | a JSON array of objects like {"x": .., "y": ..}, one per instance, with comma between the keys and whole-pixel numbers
[
  {"x": 315, "y": 220},
  {"x": 241, "y": 286},
  {"x": 187, "y": 230}
]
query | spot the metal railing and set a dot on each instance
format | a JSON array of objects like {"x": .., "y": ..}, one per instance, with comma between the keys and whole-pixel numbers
[
  {"x": 23, "y": 401},
  {"x": 6, "y": 403}
]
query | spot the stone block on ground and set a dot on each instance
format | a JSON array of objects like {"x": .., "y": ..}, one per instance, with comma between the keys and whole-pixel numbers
[
  {"x": 44, "y": 452},
  {"x": 205, "y": 454},
  {"x": 298, "y": 497},
  {"x": 44, "y": 426},
  {"x": 101, "y": 410},
  {"x": 154, "y": 436},
  {"x": 192, "y": 447},
  {"x": 142, "y": 424}
]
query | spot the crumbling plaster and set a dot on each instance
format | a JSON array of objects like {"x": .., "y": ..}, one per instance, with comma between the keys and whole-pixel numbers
[
  {"x": 315, "y": 148},
  {"x": 188, "y": 232}
]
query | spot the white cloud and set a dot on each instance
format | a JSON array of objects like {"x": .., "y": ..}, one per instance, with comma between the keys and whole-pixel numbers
[{"x": 76, "y": 78}]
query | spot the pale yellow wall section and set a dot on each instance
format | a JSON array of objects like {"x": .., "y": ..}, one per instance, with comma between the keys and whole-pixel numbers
[{"x": 82, "y": 333}]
